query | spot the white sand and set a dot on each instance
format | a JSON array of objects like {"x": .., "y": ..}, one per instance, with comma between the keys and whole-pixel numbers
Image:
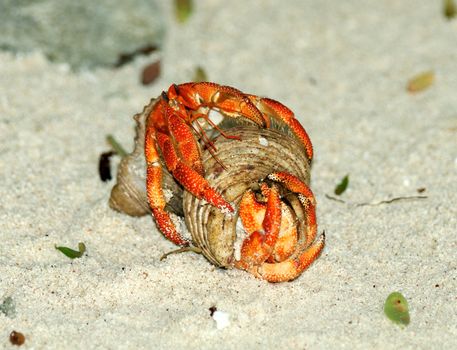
[{"x": 342, "y": 66}]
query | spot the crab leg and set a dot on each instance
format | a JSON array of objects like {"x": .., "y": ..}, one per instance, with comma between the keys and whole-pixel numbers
[
  {"x": 278, "y": 110},
  {"x": 306, "y": 198},
  {"x": 228, "y": 100},
  {"x": 292, "y": 268},
  {"x": 259, "y": 245},
  {"x": 309, "y": 249},
  {"x": 252, "y": 214},
  {"x": 181, "y": 167},
  {"x": 154, "y": 191}
]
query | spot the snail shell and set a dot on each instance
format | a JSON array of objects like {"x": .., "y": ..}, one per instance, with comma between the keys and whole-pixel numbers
[
  {"x": 129, "y": 193},
  {"x": 239, "y": 165}
]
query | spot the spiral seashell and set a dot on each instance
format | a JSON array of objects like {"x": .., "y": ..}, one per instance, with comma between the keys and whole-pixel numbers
[
  {"x": 235, "y": 166},
  {"x": 247, "y": 161},
  {"x": 129, "y": 193}
]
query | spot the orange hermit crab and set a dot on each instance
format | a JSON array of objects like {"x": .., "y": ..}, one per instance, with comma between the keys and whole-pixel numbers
[{"x": 246, "y": 201}]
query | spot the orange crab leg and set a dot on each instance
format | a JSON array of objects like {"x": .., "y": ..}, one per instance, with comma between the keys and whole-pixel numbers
[
  {"x": 188, "y": 177},
  {"x": 228, "y": 100},
  {"x": 252, "y": 214},
  {"x": 185, "y": 141},
  {"x": 154, "y": 191},
  {"x": 292, "y": 268},
  {"x": 281, "y": 112},
  {"x": 259, "y": 245},
  {"x": 306, "y": 198}
]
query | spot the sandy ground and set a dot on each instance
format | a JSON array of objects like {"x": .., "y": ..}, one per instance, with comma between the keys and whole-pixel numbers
[{"x": 342, "y": 67}]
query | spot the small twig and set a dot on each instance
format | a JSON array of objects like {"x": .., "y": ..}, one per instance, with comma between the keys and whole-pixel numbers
[
  {"x": 386, "y": 201},
  {"x": 116, "y": 146},
  {"x": 182, "y": 250},
  {"x": 334, "y": 198}
]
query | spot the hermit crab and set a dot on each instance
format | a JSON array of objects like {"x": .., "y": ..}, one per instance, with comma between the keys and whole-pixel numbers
[{"x": 241, "y": 184}]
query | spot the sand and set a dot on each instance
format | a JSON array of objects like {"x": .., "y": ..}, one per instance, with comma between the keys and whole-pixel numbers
[{"x": 342, "y": 67}]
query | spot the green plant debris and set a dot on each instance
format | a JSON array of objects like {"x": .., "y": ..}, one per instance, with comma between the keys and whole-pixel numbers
[
  {"x": 421, "y": 81},
  {"x": 116, "y": 146},
  {"x": 396, "y": 309},
  {"x": 449, "y": 9},
  {"x": 8, "y": 307},
  {"x": 183, "y": 10},
  {"x": 72, "y": 254},
  {"x": 200, "y": 75},
  {"x": 342, "y": 186}
]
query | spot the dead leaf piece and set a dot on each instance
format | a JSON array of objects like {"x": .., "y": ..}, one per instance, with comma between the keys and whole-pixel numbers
[
  {"x": 341, "y": 187},
  {"x": 183, "y": 10},
  {"x": 150, "y": 73},
  {"x": 104, "y": 166},
  {"x": 421, "y": 81},
  {"x": 128, "y": 57},
  {"x": 449, "y": 9},
  {"x": 200, "y": 75}
]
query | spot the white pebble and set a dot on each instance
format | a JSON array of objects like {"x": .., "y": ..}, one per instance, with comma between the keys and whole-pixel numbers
[
  {"x": 263, "y": 141},
  {"x": 222, "y": 319}
]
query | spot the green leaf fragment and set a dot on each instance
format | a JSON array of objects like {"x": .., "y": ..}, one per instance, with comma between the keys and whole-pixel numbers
[
  {"x": 72, "y": 254},
  {"x": 116, "y": 146},
  {"x": 200, "y": 75},
  {"x": 8, "y": 307},
  {"x": 421, "y": 81},
  {"x": 449, "y": 9},
  {"x": 341, "y": 187},
  {"x": 396, "y": 309},
  {"x": 183, "y": 10}
]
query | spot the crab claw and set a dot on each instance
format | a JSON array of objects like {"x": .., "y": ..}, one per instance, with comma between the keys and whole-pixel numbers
[
  {"x": 278, "y": 247},
  {"x": 259, "y": 245}
]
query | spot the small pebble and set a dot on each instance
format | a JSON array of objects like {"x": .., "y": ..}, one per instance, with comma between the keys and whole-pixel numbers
[
  {"x": 222, "y": 319},
  {"x": 17, "y": 338},
  {"x": 263, "y": 141}
]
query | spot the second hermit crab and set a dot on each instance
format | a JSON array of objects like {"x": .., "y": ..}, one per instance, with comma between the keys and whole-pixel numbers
[{"x": 241, "y": 184}]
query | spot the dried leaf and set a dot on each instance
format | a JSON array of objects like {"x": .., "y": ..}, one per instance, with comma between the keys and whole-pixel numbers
[
  {"x": 396, "y": 309},
  {"x": 421, "y": 81},
  {"x": 72, "y": 254},
  {"x": 341, "y": 187},
  {"x": 116, "y": 146},
  {"x": 128, "y": 57},
  {"x": 104, "y": 166},
  {"x": 150, "y": 73},
  {"x": 449, "y": 9},
  {"x": 183, "y": 10},
  {"x": 200, "y": 75}
]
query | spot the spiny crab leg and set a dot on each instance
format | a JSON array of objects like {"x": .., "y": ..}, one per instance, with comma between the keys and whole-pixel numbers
[
  {"x": 181, "y": 170},
  {"x": 279, "y": 111},
  {"x": 155, "y": 193},
  {"x": 226, "y": 99},
  {"x": 257, "y": 251},
  {"x": 182, "y": 158},
  {"x": 259, "y": 245},
  {"x": 292, "y": 268},
  {"x": 306, "y": 198}
]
